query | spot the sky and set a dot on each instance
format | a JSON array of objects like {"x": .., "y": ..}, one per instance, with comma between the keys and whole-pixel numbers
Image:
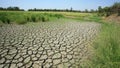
[{"x": 57, "y": 4}]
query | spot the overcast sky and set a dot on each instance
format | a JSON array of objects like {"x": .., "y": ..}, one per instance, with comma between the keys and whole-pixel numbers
[{"x": 57, "y": 4}]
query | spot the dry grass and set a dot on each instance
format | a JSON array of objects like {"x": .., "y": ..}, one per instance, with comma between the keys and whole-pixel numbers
[{"x": 113, "y": 18}]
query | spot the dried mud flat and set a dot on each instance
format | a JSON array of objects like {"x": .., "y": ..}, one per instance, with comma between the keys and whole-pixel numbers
[{"x": 45, "y": 45}]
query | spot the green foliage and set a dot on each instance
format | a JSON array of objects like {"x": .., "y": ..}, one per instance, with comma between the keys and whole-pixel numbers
[
  {"x": 24, "y": 17},
  {"x": 107, "y": 47},
  {"x": 11, "y": 9},
  {"x": 33, "y": 18},
  {"x": 107, "y": 11},
  {"x": 44, "y": 19},
  {"x": 58, "y": 16},
  {"x": 4, "y": 19},
  {"x": 21, "y": 20}
]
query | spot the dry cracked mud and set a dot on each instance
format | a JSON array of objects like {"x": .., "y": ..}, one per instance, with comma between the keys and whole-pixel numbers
[{"x": 45, "y": 45}]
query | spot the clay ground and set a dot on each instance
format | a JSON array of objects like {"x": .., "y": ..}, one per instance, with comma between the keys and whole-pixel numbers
[{"x": 46, "y": 45}]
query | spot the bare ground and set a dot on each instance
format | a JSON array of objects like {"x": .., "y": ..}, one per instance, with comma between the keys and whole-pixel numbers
[{"x": 46, "y": 45}]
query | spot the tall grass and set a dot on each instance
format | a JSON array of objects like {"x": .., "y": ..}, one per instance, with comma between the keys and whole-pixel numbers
[
  {"x": 24, "y": 17},
  {"x": 107, "y": 47}
]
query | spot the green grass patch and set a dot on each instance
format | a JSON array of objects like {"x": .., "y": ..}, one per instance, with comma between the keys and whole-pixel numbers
[
  {"x": 20, "y": 17},
  {"x": 107, "y": 47}
]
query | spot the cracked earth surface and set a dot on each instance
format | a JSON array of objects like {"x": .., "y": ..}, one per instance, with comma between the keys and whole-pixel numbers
[{"x": 45, "y": 45}]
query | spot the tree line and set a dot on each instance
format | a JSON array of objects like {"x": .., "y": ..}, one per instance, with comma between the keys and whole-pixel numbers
[
  {"x": 11, "y": 9},
  {"x": 102, "y": 11},
  {"x": 64, "y": 10},
  {"x": 107, "y": 11},
  {"x": 59, "y": 10}
]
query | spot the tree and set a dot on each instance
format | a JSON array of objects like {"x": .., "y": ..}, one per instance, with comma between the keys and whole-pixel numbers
[
  {"x": 92, "y": 11},
  {"x": 99, "y": 9},
  {"x": 86, "y": 11},
  {"x": 13, "y": 8},
  {"x": 9, "y": 8},
  {"x": 16, "y": 8},
  {"x": 71, "y": 9},
  {"x": 107, "y": 11},
  {"x": 1, "y": 8}
]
